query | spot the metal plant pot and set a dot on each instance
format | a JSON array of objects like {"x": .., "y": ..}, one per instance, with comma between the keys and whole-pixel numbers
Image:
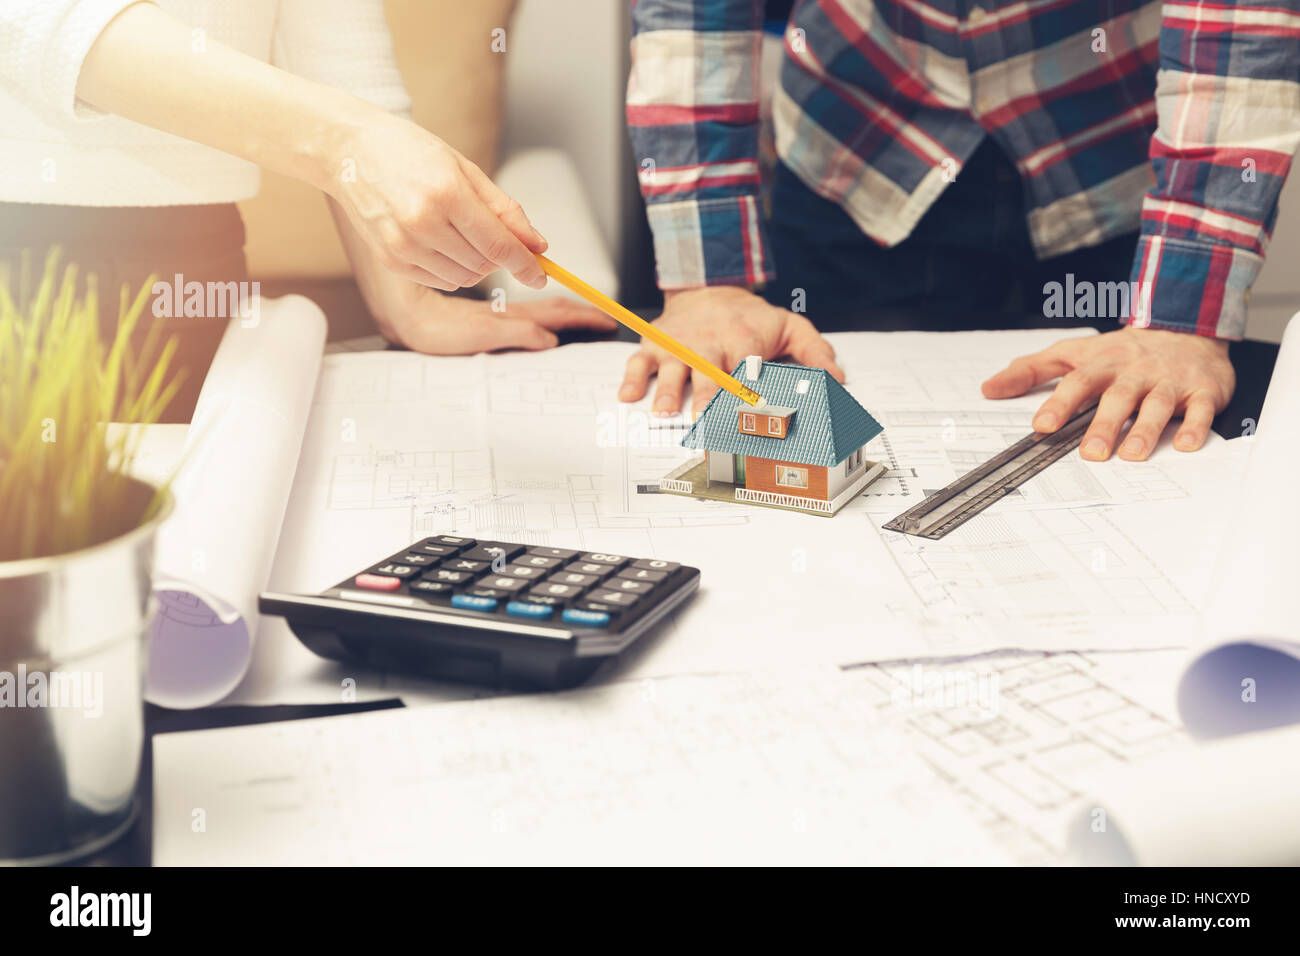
[{"x": 73, "y": 626}]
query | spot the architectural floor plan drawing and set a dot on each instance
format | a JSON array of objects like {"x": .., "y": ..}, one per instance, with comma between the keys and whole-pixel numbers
[
  {"x": 535, "y": 447},
  {"x": 1019, "y": 737},
  {"x": 1012, "y": 574}
]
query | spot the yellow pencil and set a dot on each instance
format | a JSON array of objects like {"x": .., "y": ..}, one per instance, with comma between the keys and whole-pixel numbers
[{"x": 638, "y": 324}]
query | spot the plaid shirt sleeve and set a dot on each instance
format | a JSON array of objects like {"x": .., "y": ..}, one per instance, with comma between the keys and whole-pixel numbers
[
  {"x": 1229, "y": 122},
  {"x": 692, "y": 111}
]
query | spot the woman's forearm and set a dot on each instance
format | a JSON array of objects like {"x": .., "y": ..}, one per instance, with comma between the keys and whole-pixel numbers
[
  {"x": 428, "y": 213},
  {"x": 149, "y": 67}
]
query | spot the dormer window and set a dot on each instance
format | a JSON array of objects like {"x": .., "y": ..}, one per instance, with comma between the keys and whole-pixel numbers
[{"x": 770, "y": 421}]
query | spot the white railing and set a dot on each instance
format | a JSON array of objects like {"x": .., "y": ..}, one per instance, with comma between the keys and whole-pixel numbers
[
  {"x": 786, "y": 501},
  {"x": 672, "y": 484}
]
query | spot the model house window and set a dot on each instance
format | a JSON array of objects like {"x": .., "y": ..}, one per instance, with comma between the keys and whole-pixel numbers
[
  {"x": 747, "y": 423},
  {"x": 848, "y": 466},
  {"x": 791, "y": 477},
  {"x": 774, "y": 426}
]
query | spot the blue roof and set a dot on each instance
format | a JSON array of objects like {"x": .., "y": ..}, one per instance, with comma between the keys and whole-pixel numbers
[{"x": 828, "y": 423}]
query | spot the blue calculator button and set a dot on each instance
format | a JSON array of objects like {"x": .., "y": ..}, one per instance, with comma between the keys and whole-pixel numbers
[
  {"x": 525, "y": 609},
  {"x": 590, "y": 618},
  {"x": 471, "y": 603}
]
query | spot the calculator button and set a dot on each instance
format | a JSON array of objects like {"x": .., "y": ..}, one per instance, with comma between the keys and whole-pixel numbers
[
  {"x": 481, "y": 591},
  {"x": 616, "y": 598},
  {"x": 439, "y": 550},
  {"x": 577, "y": 580},
  {"x": 491, "y": 552},
  {"x": 538, "y": 561},
  {"x": 448, "y": 576},
  {"x": 469, "y": 567},
  {"x": 654, "y": 564},
  {"x": 396, "y": 570},
  {"x": 550, "y": 600},
  {"x": 429, "y": 588},
  {"x": 599, "y": 558},
  {"x": 377, "y": 582},
  {"x": 450, "y": 541},
  {"x": 599, "y": 607},
  {"x": 589, "y": 618},
  {"x": 503, "y": 583},
  {"x": 640, "y": 574},
  {"x": 471, "y": 602},
  {"x": 521, "y": 571},
  {"x": 628, "y": 586},
  {"x": 589, "y": 567},
  {"x": 538, "y": 612},
  {"x": 416, "y": 559},
  {"x": 562, "y": 554},
  {"x": 551, "y": 589}
]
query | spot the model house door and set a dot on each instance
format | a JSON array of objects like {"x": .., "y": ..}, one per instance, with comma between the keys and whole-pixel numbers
[
  {"x": 740, "y": 469},
  {"x": 721, "y": 467}
]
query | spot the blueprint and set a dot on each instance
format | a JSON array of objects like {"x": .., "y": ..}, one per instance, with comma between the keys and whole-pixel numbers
[
  {"x": 798, "y": 768},
  {"x": 1022, "y": 738},
  {"x": 535, "y": 447}
]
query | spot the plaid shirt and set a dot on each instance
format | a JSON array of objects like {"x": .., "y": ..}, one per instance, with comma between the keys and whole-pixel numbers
[{"x": 881, "y": 102}]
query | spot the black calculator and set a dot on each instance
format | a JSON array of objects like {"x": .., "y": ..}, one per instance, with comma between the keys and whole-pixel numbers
[{"x": 489, "y": 612}]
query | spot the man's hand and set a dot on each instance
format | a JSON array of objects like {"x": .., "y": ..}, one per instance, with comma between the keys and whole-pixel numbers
[
  {"x": 1156, "y": 372},
  {"x": 724, "y": 324}
]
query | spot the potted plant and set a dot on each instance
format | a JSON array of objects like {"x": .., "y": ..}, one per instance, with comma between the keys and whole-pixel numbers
[{"x": 76, "y": 560}]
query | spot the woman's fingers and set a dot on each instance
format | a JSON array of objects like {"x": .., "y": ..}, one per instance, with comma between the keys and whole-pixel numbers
[
  {"x": 486, "y": 233},
  {"x": 503, "y": 207}
]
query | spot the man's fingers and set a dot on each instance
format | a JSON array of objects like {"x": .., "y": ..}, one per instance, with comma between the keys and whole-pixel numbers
[
  {"x": 559, "y": 314},
  {"x": 636, "y": 376},
  {"x": 486, "y": 233},
  {"x": 505, "y": 208},
  {"x": 1157, "y": 408},
  {"x": 703, "y": 388},
  {"x": 1077, "y": 388},
  {"x": 1024, "y": 373},
  {"x": 1197, "y": 419},
  {"x": 1116, "y": 405},
  {"x": 672, "y": 380},
  {"x": 808, "y": 347}
]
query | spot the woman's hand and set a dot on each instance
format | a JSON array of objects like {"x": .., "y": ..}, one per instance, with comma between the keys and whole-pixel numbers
[{"x": 428, "y": 213}]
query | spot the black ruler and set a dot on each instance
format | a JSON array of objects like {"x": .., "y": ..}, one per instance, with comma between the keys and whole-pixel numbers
[{"x": 954, "y": 505}]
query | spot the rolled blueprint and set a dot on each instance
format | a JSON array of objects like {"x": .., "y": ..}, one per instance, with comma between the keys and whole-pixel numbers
[
  {"x": 1223, "y": 803},
  {"x": 214, "y": 554},
  {"x": 1245, "y": 674}
]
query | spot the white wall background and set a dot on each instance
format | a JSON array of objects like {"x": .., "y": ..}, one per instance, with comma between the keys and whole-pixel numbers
[
  {"x": 565, "y": 81},
  {"x": 1276, "y": 296}
]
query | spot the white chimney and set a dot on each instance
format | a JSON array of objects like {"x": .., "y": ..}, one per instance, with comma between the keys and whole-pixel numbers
[{"x": 753, "y": 363}]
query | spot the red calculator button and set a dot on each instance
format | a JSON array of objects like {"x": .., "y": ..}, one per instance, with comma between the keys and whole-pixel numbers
[{"x": 378, "y": 582}]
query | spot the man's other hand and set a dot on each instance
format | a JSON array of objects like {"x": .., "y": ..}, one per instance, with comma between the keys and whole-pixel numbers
[{"x": 1157, "y": 373}]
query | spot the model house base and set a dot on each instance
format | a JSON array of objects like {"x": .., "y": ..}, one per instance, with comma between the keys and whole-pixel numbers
[{"x": 692, "y": 480}]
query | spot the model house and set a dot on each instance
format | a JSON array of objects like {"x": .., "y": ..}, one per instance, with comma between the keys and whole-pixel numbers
[{"x": 802, "y": 448}]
